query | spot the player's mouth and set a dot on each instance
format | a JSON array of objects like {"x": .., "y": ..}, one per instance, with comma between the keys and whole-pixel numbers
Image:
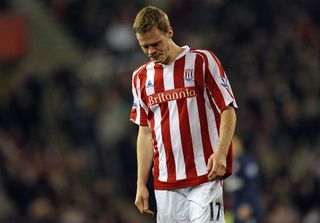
[{"x": 155, "y": 57}]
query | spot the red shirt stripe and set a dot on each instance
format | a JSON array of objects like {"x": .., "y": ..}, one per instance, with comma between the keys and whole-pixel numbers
[
  {"x": 165, "y": 125},
  {"x": 186, "y": 139}
]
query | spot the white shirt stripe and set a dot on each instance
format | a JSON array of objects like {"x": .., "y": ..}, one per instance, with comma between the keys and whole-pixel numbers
[
  {"x": 213, "y": 130},
  {"x": 163, "y": 172}
]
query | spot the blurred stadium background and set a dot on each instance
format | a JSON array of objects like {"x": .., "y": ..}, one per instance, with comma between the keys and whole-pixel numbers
[{"x": 67, "y": 149}]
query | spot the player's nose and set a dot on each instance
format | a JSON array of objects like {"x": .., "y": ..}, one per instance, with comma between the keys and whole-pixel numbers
[{"x": 151, "y": 51}]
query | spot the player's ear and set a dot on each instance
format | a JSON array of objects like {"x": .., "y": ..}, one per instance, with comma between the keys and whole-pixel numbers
[{"x": 170, "y": 32}]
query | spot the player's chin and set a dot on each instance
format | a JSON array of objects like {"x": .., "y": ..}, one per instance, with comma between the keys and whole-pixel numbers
[
  {"x": 154, "y": 60},
  {"x": 157, "y": 60}
]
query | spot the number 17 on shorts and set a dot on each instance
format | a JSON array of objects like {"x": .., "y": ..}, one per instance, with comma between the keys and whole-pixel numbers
[{"x": 215, "y": 211}]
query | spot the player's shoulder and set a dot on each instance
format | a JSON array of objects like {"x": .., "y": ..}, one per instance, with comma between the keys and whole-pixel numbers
[
  {"x": 200, "y": 50},
  {"x": 139, "y": 69},
  {"x": 205, "y": 54}
]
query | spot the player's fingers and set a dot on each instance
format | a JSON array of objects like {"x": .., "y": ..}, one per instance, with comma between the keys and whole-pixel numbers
[
  {"x": 209, "y": 165},
  {"x": 146, "y": 209},
  {"x": 145, "y": 203},
  {"x": 140, "y": 208},
  {"x": 213, "y": 172},
  {"x": 211, "y": 169},
  {"x": 221, "y": 169},
  {"x": 139, "y": 204},
  {"x": 148, "y": 212},
  {"x": 212, "y": 176}
]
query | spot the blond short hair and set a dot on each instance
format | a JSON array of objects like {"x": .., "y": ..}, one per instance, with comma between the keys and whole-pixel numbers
[{"x": 150, "y": 17}]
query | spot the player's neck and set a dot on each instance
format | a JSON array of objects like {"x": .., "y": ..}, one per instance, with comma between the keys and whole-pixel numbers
[{"x": 174, "y": 52}]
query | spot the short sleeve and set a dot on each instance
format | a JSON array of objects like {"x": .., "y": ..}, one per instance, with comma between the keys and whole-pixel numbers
[
  {"x": 217, "y": 83},
  {"x": 138, "y": 114}
]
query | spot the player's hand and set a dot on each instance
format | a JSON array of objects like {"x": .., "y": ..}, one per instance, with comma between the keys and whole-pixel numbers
[
  {"x": 217, "y": 165},
  {"x": 142, "y": 203}
]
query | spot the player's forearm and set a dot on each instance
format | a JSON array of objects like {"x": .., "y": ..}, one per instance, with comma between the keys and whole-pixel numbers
[
  {"x": 144, "y": 155},
  {"x": 226, "y": 131},
  {"x": 144, "y": 165}
]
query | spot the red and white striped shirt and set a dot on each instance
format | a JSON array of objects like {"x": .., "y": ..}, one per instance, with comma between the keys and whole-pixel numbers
[{"x": 181, "y": 103}]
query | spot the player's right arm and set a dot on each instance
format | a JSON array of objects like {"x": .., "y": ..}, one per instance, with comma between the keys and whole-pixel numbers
[{"x": 144, "y": 160}]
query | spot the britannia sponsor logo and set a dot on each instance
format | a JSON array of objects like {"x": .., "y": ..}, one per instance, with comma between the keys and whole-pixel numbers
[{"x": 170, "y": 95}]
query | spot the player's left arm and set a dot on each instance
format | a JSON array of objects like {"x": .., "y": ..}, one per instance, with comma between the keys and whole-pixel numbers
[{"x": 217, "y": 162}]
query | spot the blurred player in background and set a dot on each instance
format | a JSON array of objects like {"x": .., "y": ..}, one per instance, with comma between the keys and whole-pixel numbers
[
  {"x": 244, "y": 186},
  {"x": 184, "y": 106}
]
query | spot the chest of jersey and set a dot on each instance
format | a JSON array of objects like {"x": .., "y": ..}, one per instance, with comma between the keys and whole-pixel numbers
[{"x": 178, "y": 81}]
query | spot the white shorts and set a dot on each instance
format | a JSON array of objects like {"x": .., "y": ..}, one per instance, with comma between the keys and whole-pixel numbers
[{"x": 199, "y": 204}]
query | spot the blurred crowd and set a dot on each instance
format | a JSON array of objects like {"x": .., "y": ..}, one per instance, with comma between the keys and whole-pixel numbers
[{"x": 67, "y": 149}]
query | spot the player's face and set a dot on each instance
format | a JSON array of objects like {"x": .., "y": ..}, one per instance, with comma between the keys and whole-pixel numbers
[{"x": 156, "y": 44}]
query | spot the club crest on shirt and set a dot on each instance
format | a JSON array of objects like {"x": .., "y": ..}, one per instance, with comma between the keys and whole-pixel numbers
[{"x": 188, "y": 74}]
